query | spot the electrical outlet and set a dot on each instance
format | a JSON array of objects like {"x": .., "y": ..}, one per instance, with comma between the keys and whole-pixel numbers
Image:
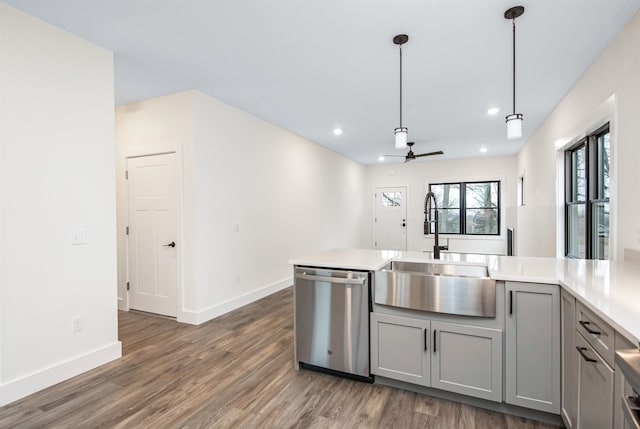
[
  {"x": 237, "y": 278},
  {"x": 76, "y": 324},
  {"x": 77, "y": 236}
]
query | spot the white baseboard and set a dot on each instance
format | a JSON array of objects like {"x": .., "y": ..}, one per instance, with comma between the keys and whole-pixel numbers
[
  {"x": 47, "y": 377},
  {"x": 122, "y": 305},
  {"x": 199, "y": 317}
]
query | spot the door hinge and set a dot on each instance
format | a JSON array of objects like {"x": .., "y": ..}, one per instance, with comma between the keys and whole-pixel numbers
[
  {"x": 375, "y": 244},
  {"x": 127, "y": 285},
  {"x": 375, "y": 219},
  {"x": 126, "y": 174},
  {"x": 126, "y": 230}
]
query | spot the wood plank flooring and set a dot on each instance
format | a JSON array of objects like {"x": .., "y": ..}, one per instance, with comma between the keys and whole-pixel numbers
[{"x": 233, "y": 372}]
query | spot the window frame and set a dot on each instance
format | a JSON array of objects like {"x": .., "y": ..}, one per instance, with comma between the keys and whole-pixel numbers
[
  {"x": 462, "y": 209},
  {"x": 593, "y": 165}
]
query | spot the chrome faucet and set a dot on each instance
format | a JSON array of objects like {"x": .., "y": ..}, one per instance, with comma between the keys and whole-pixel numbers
[{"x": 427, "y": 220}]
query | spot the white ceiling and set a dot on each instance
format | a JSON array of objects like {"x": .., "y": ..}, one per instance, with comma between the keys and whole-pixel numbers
[{"x": 312, "y": 65}]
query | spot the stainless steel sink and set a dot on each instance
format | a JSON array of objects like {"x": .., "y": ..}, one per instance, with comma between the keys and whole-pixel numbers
[
  {"x": 441, "y": 269},
  {"x": 440, "y": 288}
]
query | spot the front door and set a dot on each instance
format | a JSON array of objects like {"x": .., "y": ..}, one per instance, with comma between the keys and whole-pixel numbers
[
  {"x": 390, "y": 221},
  {"x": 152, "y": 234}
]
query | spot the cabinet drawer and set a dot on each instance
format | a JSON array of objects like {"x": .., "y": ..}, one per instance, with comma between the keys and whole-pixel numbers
[
  {"x": 596, "y": 388},
  {"x": 596, "y": 331}
]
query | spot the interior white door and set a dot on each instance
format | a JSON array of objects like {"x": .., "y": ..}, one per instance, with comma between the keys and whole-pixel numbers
[
  {"x": 390, "y": 221},
  {"x": 152, "y": 234}
]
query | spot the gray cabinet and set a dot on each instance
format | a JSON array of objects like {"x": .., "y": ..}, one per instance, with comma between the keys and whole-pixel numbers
[
  {"x": 595, "y": 410},
  {"x": 456, "y": 358},
  {"x": 532, "y": 344},
  {"x": 592, "y": 391},
  {"x": 467, "y": 360},
  {"x": 400, "y": 348},
  {"x": 569, "y": 390}
]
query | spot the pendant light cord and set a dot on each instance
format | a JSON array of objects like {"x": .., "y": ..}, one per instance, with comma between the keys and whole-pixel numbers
[
  {"x": 400, "y": 85},
  {"x": 514, "y": 66}
]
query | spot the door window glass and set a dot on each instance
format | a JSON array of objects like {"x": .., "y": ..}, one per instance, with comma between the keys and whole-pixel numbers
[{"x": 391, "y": 199}]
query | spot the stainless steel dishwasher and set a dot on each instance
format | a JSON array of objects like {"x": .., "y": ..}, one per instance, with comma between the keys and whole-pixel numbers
[{"x": 332, "y": 321}]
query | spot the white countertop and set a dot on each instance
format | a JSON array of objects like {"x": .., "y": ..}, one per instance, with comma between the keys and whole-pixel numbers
[
  {"x": 610, "y": 289},
  {"x": 355, "y": 259}
]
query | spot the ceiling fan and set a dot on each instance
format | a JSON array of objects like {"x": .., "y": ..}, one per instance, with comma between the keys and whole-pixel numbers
[{"x": 411, "y": 156}]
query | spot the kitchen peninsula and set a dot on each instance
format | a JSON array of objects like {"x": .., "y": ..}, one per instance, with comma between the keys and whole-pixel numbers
[{"x": 553, "y": 317}]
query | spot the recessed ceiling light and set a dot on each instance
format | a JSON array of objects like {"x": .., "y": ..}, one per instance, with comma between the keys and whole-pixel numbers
[
  {"x": 493, "y": 111},
  {"x": 483, "y": 149},
  {"x": 381, "y": 158},
  {"x": 337, "y": 131}
]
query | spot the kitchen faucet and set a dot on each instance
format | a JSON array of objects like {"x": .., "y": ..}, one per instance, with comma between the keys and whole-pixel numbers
[{"x": 427, "y": 220}]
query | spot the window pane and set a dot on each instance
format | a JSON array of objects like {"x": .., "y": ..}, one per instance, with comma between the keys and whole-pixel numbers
[
  {"x": 576, "y": 246},
  {"x": 520, "y": 191},
  {"x": 391, "y": 199},
  {"x": 600, "y": 246},
  {"x": 448, "y": 221},
  {"x": 603, "y": 166},
  {"x": 578, "y": 175},
  {"x": 447, "y": 195},
  {"x": 482, "y": 221},
  {"x": 481, "y": 195}
]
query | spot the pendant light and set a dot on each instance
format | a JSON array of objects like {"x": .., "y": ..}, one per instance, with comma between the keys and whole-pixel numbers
[
  {"x": 401, "y": 133},
  {"x": 514, "y": 121}
]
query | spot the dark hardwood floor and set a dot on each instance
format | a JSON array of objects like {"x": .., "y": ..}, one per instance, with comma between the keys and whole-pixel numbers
[{"x": 233, "y": 372}]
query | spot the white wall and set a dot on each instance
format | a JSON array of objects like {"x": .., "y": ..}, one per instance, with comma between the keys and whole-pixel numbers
[
  {"x": 56, "y": 175},
  {"x": 417, "y": 175},
  {"x": 289, "y": 197},
  {"x": 608, "y": 91}
]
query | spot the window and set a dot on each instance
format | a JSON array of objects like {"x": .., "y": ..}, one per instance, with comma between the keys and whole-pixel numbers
[
  {"x": 520, "y": 191},
  {"x": 471, "y": 208},
  {"x": 587, "y": 177},
  {"x": 391, "y": 199}
]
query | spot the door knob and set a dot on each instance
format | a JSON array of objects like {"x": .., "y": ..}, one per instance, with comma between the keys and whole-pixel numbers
[{"x": 172, "y": 244}]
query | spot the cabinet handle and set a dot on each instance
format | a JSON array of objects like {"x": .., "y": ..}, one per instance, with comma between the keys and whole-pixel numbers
[
  {"x": 581, "y": 350},
  {"x": 510, "y": 302},
  {"x": 589, "y": 330},
  {"x": 425, "y": 340},
  {"x": 341, "y": 280},
  {"x": 434, "y": 340}
]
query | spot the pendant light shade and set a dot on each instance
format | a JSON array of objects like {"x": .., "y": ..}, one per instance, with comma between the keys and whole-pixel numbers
[
  {"x": 514, "y": 126},
  {"x": 401, "y": 133},
  {"x": 514, "y": 121}
]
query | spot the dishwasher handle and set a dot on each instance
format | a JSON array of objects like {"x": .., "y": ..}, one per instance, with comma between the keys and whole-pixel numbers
[{"x": 341, "y": 280}]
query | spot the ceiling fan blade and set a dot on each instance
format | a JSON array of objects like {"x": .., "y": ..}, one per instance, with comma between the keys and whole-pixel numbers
[
  {"x": 439, "y": 152},
  {"x": 399, "y": 156}
]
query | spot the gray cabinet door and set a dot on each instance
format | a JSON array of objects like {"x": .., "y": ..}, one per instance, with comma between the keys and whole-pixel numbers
[
  {"x": 532, "y": 334},
  {"x": 400, "y": 348},
  {"x": 569, "y": 400},
  {"x": 467, "y": 360},
  {"x": 596, "y": 388}
]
